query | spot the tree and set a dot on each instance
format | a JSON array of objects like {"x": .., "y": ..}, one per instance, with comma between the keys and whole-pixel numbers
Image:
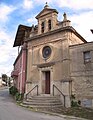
[
  {"x": 9, "y": 81},
  {"x": 4, "y": 78}
]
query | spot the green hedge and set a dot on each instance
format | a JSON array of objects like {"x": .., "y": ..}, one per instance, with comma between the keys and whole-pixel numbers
[
  {"x": 14, "y": 91},
  {"x": 74, "y": 102},
  {"x": 19, "y": 97}
]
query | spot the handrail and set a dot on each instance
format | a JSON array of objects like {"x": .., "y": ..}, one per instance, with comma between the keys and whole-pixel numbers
[
  {"x": 54, "y": 86},
  {"x": 32, "y": 90}
]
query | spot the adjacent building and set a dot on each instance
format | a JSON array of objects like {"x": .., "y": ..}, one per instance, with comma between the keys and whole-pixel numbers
[
  {"x": 0, "y": 81},
  {"x": 19, "y": 72},
  {"x": 54, "y": 57}
]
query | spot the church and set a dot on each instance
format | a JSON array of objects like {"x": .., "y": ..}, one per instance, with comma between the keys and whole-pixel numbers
[{"x": 53, "y": 59}]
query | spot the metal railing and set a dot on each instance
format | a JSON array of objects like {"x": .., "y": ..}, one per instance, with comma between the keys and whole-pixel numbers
[
  {"x": 36, "y": 87},
  {"x": 54, "y": 86}
]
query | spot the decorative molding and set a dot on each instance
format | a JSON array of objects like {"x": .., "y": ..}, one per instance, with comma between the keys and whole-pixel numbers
[{"x": 45, "y": 64}]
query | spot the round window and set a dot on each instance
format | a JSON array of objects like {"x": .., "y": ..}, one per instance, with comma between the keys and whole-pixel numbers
[{"x": 46, "y": 52}]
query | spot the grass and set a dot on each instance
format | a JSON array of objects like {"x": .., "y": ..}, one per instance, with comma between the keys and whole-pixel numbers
[
  {"x": 81, "y": 112},
  {"x": 78, "y": 112}
]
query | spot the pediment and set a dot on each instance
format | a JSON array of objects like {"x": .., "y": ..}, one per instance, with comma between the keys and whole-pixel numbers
[{"x": 46, "y": 11}]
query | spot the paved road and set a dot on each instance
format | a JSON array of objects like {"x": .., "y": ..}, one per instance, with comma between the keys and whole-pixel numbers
[{"x": 10, "y": 111}]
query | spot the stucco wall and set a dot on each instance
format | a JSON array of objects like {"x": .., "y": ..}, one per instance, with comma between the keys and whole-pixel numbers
[
  {"x": 73, "y": 39},
  {"x": 20, "y": 67},
  {"x": 60, "y": 57},
  {"x": 35, "y": 52},
  {"x": 55, "y": 63},
  {"x": 81, "y": 73}
]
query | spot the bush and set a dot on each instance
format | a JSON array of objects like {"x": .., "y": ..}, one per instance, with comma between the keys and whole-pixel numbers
[
  {"x": 73, "y": 96},
  {"x": 13, "y": 90},
  {"x": 19, "y": 97},
  {"x": 74, "y": 104}
]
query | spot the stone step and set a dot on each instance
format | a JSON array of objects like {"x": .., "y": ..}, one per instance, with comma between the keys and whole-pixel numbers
[
  {"x": 43, "y": 100},
  {"x": 42, "y": 103},
  {"x": 38, "y": 107},
  {"x": 44, "y": 97},
  {"x": 54, "y": 109},
  {"x": 48, "y": 96}
]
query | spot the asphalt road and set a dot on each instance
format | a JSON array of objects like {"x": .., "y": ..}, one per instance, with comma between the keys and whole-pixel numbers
[{"x": 10, "y": 111}]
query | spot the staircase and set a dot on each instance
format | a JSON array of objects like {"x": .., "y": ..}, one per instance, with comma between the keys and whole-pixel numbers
[{"x": 44, "y": 103}]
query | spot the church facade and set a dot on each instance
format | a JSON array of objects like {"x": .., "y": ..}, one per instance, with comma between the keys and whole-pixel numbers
[{"x": 58, "y": 59}]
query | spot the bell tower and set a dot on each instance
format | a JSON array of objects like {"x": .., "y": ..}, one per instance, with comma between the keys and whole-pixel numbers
[{"x": 47, "y": 19}]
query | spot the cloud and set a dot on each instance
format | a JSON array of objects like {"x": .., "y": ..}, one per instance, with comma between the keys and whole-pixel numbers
[
  {"x": 32, "y": 20},
  {"x": 5, "y": 70},
  {"x": 8, "y": 53},
  {"x": 75, "y": 4},
  {"x": 83, "y": 23},
  {"x": 72, "y": 4},
  {"x": 28, "y": 4},
  {"x": 5, "y": 11},
  {"x": 43, "y": 2}
]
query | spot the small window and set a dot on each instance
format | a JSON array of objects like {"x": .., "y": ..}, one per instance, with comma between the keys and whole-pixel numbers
[
  {"x": 49, "y": 25},
  {"x": 87, "y": 57},
  {"x": 42, "y": 27}
]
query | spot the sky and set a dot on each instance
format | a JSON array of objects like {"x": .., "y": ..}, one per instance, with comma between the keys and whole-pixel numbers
[{"x": 15, "y": 12}]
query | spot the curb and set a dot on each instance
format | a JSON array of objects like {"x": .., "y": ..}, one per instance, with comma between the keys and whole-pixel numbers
[
  {"x": 55, "y": 114},
  {"x": 63, "y": 116}
]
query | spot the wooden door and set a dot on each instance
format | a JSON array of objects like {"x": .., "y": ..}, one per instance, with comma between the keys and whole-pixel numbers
[{"x": 47, "y": 82}]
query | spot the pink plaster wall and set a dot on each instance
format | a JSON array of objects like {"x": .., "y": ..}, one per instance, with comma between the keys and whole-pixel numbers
[{"x": 20, "y": 67}]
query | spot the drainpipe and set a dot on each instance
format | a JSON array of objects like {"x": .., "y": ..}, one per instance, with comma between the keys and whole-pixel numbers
[
  {"x": 21, "y": 73},
  {"x": 25, "y": 66}
]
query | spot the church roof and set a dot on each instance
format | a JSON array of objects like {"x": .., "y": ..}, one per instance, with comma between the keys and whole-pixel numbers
[
  {"x": 92, "y": 31},
  {"x": 20, "y": 35},
  {"x": 45, "y": 11}
]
